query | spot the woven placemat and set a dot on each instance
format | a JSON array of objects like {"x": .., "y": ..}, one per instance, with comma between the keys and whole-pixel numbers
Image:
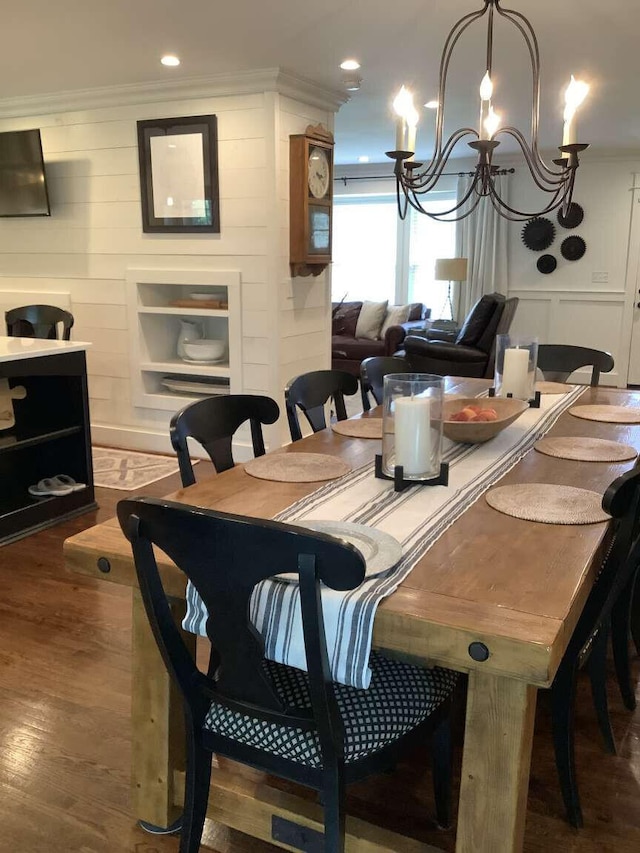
[
  {"x": 297, "y": 467},
  {"x": 607, "y": 414},
  {"x": 584, "y": 449},
  {"x": 545, "y": 387},
  {"x": 548, "y": 504},
  {"x": 359, "y": 428}
]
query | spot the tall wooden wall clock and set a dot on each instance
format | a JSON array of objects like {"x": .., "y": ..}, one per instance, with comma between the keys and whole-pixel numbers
[{"x": 310, "y": 200}]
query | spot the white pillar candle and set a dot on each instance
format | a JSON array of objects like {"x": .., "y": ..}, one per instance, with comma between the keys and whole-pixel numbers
[
  {"x": 412, "y": 421},
  {"x": 569, "y": 134},
  {"x": 515, "y": 374},
  {"x": 400, "y": 134}
]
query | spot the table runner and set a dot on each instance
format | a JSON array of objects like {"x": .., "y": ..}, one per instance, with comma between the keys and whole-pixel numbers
[{"x": 417, "y": 517}]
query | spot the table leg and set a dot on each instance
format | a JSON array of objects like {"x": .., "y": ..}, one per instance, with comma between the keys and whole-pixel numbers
[
  {"x": 157, "y": 722},
  {"x": 495, "y": 764}
]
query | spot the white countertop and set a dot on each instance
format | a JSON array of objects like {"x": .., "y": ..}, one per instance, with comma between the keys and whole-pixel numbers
[{"x": 13, "y": 349}]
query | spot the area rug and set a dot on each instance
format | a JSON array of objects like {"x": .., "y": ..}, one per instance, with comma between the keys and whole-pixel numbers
[{"x": 128, "y": 469}]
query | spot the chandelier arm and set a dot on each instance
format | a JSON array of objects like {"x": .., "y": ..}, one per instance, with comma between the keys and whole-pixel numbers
[
  {"x": 428, "y": 178},
  {"x": 459, "y": 204},
  {"x": 440, "y": 216},
  {"x": 556, "y": 201},
  {"x": 457, "y": 30},
  {"x": 402, "y": 208},
  {"x": 411, "y": 199},
  {"x": 545, "y": 182},
  {"x": 528, "y": 34}
]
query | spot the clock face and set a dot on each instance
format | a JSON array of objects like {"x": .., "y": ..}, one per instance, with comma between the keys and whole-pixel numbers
[{"x": 319, "y": 176}]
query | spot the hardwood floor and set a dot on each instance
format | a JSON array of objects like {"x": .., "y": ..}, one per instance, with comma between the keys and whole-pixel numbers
[{"x": 65, "y": 729}]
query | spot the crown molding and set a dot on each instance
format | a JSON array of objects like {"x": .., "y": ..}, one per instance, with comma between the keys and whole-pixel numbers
[{"x": 237, "y": 83}]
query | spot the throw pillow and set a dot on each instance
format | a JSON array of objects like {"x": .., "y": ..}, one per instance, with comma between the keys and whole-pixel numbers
[
  {"x": 396, "y": 314},
  {"x": 345, "y": 318},
  {"x": 371, "y": 319}
]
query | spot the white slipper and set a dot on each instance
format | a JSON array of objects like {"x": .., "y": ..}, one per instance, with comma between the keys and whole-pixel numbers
[
  {"x": 48, "y": 487},
  {"x": 67, "y": 482}
]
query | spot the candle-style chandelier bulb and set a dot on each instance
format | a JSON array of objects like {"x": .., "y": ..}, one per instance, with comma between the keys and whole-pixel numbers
[
  {"x": 492, "y": 122},
  {"x": 486, "y": 88},
  {"x": 415, "y": 179}
]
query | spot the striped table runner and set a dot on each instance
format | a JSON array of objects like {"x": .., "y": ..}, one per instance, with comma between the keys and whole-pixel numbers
[{"x": 416, "y": 517}]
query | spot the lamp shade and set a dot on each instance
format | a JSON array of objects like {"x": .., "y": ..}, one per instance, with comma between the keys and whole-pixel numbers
[{"x": 451, "y": 269}]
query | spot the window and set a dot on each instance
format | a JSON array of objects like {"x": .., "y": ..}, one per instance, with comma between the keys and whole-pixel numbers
[
  {"x": 364, "y": 248},
  {"x": 377, "y": 256},
  {"x": 430, "y": 239}
]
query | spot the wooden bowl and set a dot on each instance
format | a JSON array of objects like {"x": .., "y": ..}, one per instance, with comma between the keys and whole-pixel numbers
[{"x": 476, "y": 432}]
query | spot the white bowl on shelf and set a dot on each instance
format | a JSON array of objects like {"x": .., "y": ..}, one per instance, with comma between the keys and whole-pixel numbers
[
  {"x": 201, "y": 297},
  {"x": 204, "y": 349}
]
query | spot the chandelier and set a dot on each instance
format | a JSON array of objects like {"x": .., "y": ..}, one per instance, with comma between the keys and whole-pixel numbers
[{"x": 414, "y": 179}]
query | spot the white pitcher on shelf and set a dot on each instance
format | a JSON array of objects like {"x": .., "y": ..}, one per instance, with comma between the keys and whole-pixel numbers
[{"x": 190, "y": 330}]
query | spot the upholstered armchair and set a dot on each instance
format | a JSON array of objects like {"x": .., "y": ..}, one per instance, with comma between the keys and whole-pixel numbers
[{"x": 472, "y": 353}]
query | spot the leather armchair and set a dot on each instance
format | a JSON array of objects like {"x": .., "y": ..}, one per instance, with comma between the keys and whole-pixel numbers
[{"x": 473, "y": 351}]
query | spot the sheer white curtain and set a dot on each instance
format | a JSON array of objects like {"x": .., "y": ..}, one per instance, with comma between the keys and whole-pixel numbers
[{"x": 482, "y": 239}]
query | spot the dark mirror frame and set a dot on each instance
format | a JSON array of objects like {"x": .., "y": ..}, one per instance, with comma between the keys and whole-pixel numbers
[{"x": 207, "y": 127}]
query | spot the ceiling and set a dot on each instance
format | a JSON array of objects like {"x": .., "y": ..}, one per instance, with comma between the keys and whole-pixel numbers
[{"x": 75, "y": 44}]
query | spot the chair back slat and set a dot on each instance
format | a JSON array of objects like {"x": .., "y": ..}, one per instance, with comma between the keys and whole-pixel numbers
[
  {"x": 39, "y": 321},
  {"x": 372, "y": 373},
  {"x": 311, "y": 391},
  {"x": 213, "y": 421},
  {"x": 225, "y": 556},
  {"x": 558, "y": 361}
]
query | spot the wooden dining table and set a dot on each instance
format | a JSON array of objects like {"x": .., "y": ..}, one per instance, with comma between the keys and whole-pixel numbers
[{"x": 495, "y": 597}]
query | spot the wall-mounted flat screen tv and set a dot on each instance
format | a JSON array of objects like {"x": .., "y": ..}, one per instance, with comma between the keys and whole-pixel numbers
[{"x": 23, "y": 185}]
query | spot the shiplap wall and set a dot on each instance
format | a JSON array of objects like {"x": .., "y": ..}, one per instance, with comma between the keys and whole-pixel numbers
[{"x": 95, "y": 233}]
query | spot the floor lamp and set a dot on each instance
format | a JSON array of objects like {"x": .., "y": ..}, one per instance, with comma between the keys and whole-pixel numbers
[{"x": 450, "y": 269}]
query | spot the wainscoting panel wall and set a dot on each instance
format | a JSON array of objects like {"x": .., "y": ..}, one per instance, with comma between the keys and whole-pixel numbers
[{"x": 591, "y": 320}]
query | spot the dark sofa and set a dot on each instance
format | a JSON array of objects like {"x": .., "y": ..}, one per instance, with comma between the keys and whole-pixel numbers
[{"x": 347, "y": 351}]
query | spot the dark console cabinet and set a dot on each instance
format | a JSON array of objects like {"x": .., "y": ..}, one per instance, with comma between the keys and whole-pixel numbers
[{"x": 51, "y": 436}]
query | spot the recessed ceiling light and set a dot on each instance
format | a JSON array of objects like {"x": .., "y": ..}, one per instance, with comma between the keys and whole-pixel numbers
[
  {"x": 350, "y": 65},
  {"x": 431, "y": 105},
  {"x": 170, "y": 60},
  {"x": 363, "y": 159}
]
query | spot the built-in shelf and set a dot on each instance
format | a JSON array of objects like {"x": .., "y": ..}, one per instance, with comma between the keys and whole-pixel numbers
[
  {"x": 185, "y": 312},
  {"x": 183, "y": 367},
  {"x": 155, "y": 329},
  {"x": 31, "y": 438}
]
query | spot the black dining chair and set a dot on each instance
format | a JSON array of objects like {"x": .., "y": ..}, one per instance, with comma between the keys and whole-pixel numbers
[
  {"x": 372, "y": 373},
  {"x": 309, "y": 393},
  {"x": 38, "y": 321},
  {"x": 293, "y": 724},
  {"x": 213, "y": 421},
  {"x": 558, "y": 361},
  {"x": 589, "y": 641}
]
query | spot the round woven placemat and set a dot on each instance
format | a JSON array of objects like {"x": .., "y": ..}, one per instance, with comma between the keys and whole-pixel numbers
[
  {"x": 548, "y": 504},
  {"x": 359, "y": 428},
  {"x": 297, "y": 467},
  {"x": 607, "y": 414},
  {"x": 585, "y": 449},
  {"x": 545, "y": 387}
]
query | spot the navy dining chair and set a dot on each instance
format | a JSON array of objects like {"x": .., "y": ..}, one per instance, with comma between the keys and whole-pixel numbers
[{"x": 298, "y": 725}]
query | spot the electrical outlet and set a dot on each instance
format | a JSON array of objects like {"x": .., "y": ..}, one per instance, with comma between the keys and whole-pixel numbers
[{"x": 599, "y": 277}]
